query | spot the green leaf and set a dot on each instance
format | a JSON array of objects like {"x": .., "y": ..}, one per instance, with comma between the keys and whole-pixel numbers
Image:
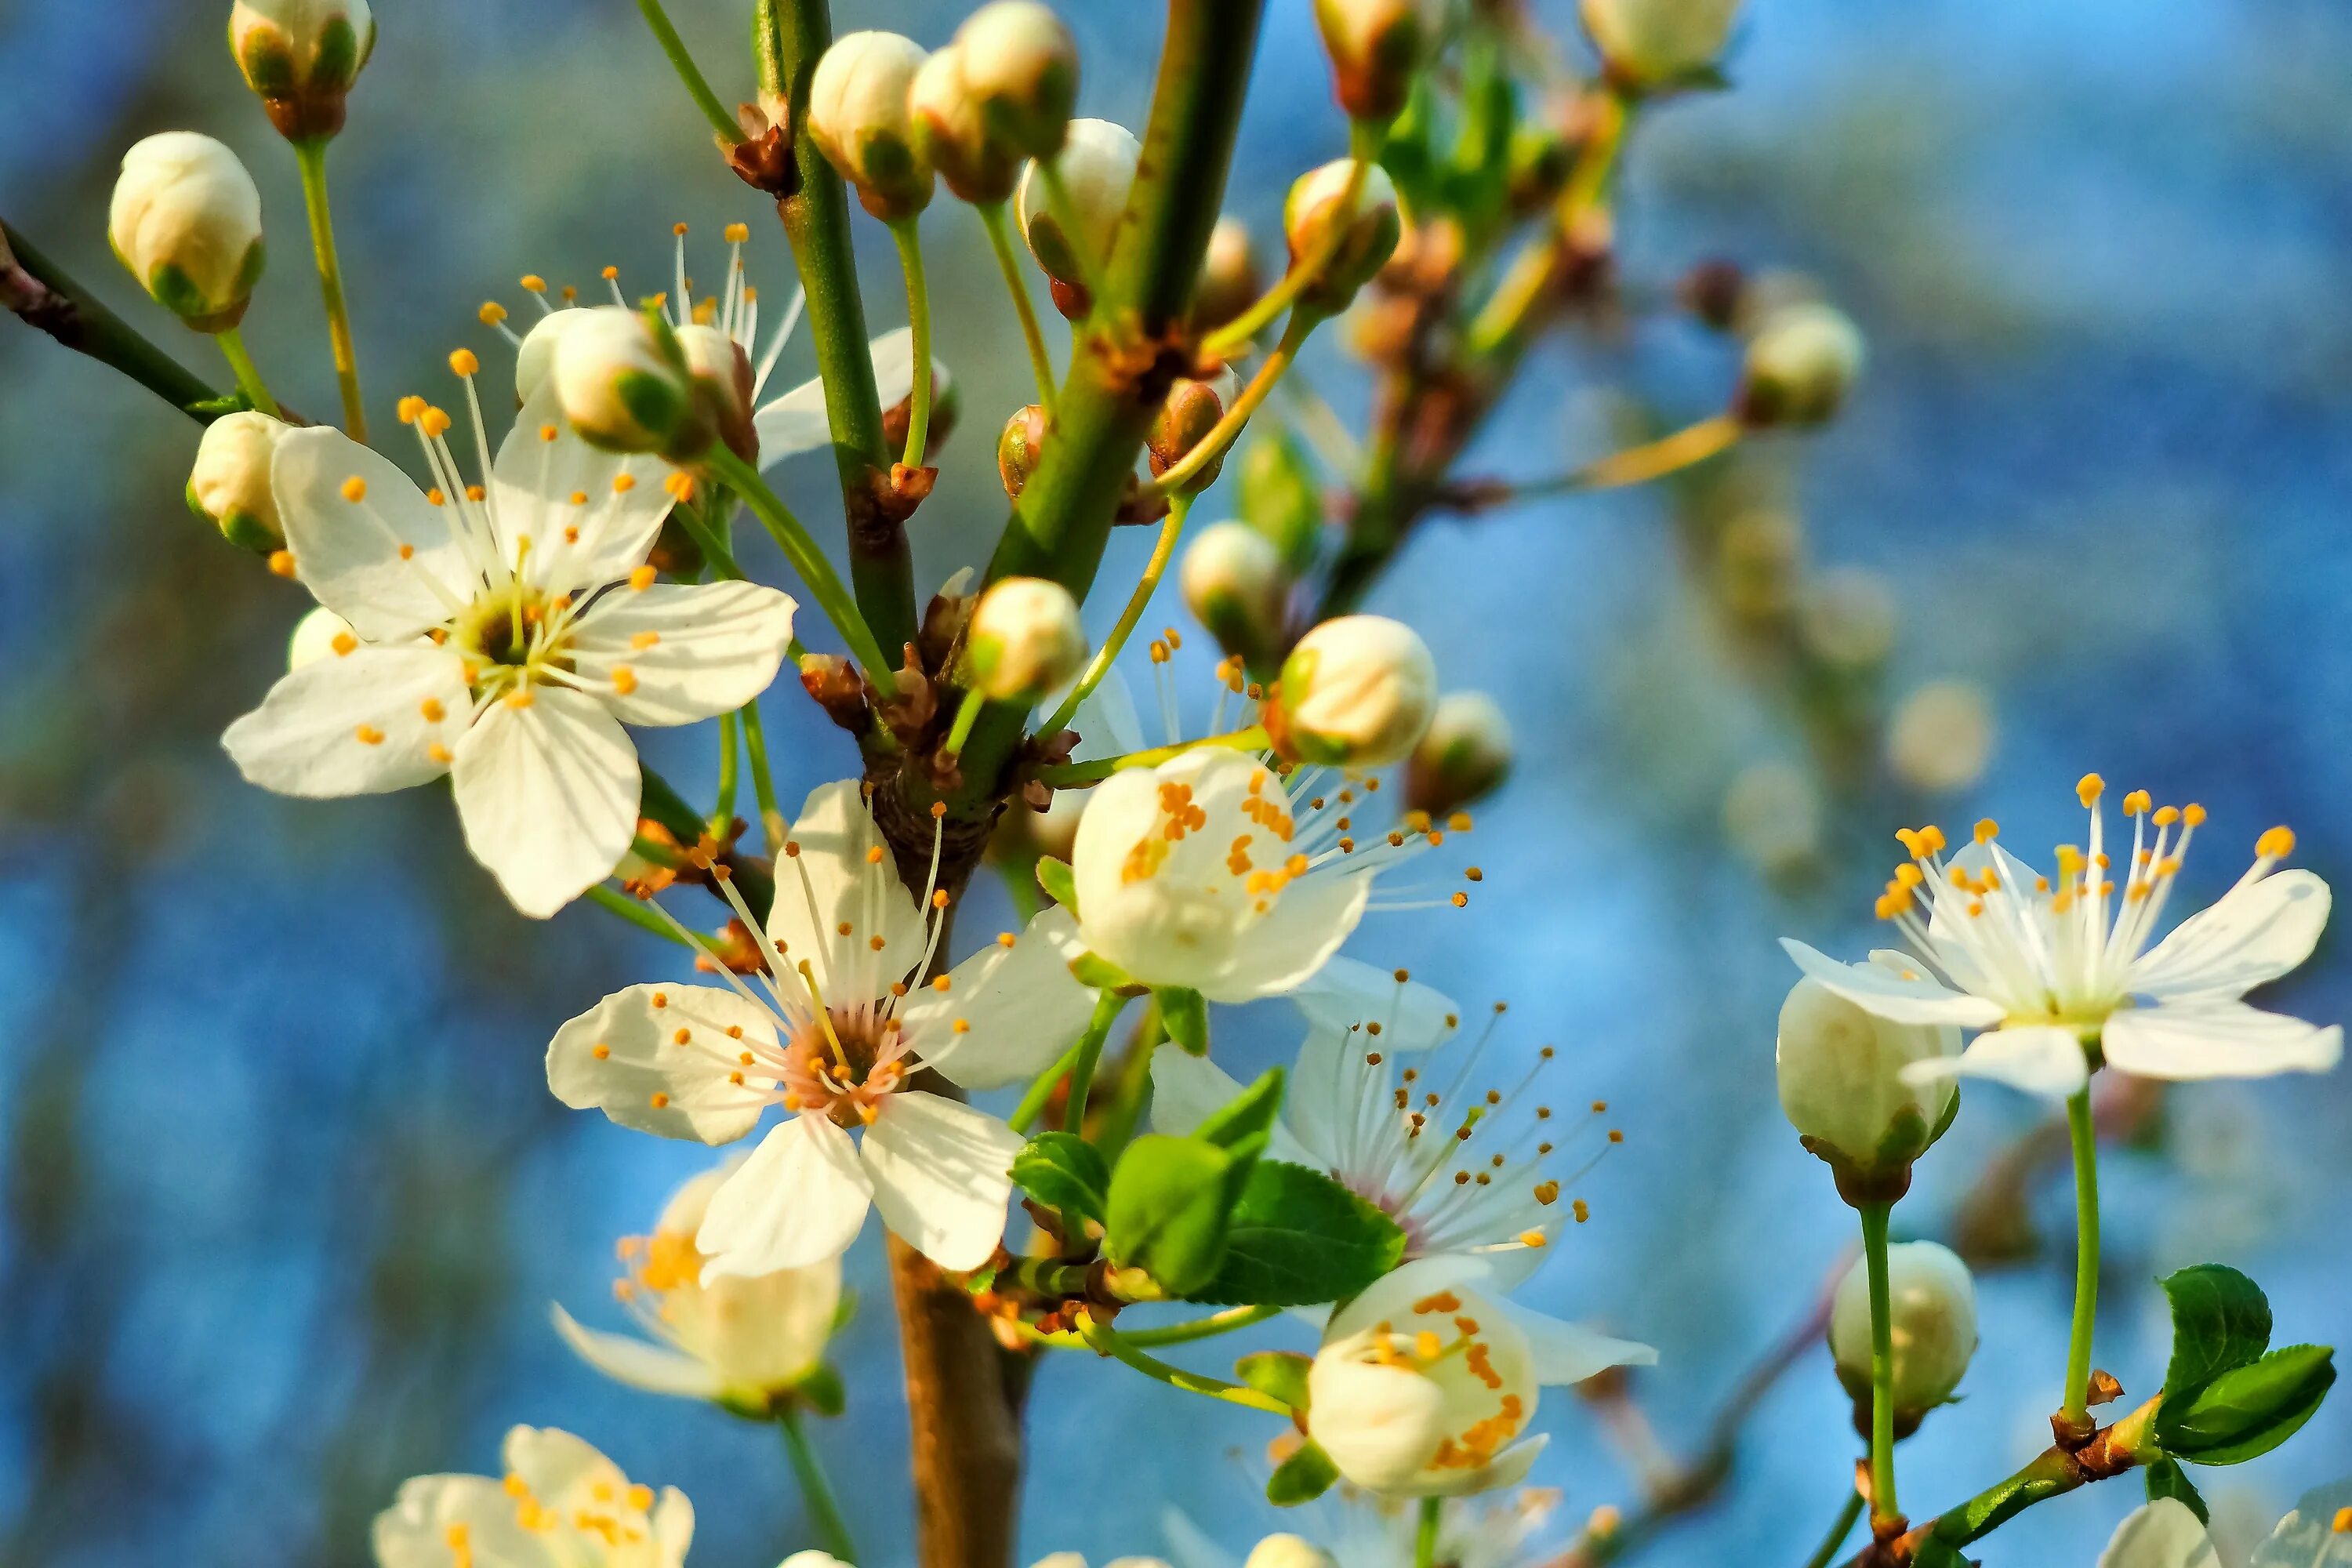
[
  {"x": 1302, "y": 1478},
  {"x": 1298, "y": 1237},
  {"x": 2166, "y": 1478},
  {"x": 2248, "y": 1410},
  {"x": 1059, "y": 882},
  {"x": 2219, "y": 1321},
  {"x": 1185, "y": 1016},
  {"x": 1166, "y": 1211},
  {"x": 1097, "y": 974},
  {"x": 1242, "y": 1127},
  {"x": 1280, "y": 1373},
  {"x": 1065, "y": 1172}
]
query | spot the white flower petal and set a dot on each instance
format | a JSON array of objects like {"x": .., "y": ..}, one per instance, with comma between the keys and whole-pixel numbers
[
  {"x": 673, "y": 1522},
  {"x": 799, "y": 1199},
  {"x": 796, "y": 421},
  {"x": 1391, "y": 1296},
  {"x": 1410, "y": 1016},
  {"x": 2256, "y": 933},
  {"x": 591, "y": 517},
  {"x": 357, "y": 723},
  {"x": 844, "y": 875},
  {"x": 621, "y": 1054},
  {"x": 691, "y": 650},
  {"x": 349, "y": 553},
  {"x": 2040, "y": 1058},
  {"x": 2208, "y": 1038},
  {"x": 625, "y": 1358},
  {"x": 1566, "y": 1352},
  {"x": 547, "y": 793},
  {"x": 413, "y": 1532},
  {"x": 553, "y": 1463},
  {"x": 1106, "y": 721},
  {"x": 2162, "y": 1535},
  {"x": 2303, "y": 1537},
  {"x": 1886, "y": 993},
  {"x": 1309, "y": 919},
  {"x": 1508, "y": 1468},
  {"x": 1381, "y": 1424},
  {"x": 1019, "y": 1006},
  {"x": 1186, "y": 1091},
  {"x": 941, "y": 1173}
]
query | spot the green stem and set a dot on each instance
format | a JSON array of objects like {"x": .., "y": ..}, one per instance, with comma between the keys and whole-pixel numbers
[
  {"x": 1041, "y": 1089},
  {"x": 816, "y": 1492},
  {"x": 1363, "y": 146},
  {"x": 1843, "y": 1527},
  {"x": 1228, "y": 428},
  {"x": 1069, "y": 774},
  {"x": 967, "y": 715},
  {"x": 1090, "y": 1051},
  {"x": 1424, "y": 1535},
  {"x": 663, "y": 804},
  {"x": 816, "y": 570},
  {"x": 248, "y": 378},
  {"x": 715, "y": 550},
  {"x": 1215, "y": 1323},
  {"x": 763, "y": 782},
  {"x": 908, "y": 233},
  {"x": 1111, "y": 1342},
  {"x": 1137, "y": 602},
  {"x": 310, "y": 156},
  {"x": 1016, "y": 282},
  {"x": 636, "y": 914},
  {"x": 722, "y": 810},
  {"x": 730, "y": 133},
  {"x": 60, "y": 307},
  {"x": 1882, "y": 1363},
  {"x": 1118, "y": 1124},
  {"x": 2084, "y": 1133}
]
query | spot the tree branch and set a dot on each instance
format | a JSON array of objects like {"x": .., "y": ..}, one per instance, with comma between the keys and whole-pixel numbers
[{"x": 37, "y": 291}]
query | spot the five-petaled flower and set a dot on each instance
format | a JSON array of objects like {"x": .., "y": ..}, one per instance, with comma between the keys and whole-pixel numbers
[{"x": 561, "y": 1502}]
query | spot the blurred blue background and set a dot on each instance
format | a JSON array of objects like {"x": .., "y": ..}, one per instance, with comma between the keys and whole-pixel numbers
[{"x": 286, "y": 1199}]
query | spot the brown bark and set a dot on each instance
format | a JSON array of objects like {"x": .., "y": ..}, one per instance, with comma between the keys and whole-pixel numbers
[{"x": 964, "y": 1395}]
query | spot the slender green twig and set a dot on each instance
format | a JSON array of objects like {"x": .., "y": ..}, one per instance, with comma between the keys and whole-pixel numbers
[
  {"x": 1215, "y": 1323},
  {"x": 1228, "y": 428},
  {"x": 1111, "y": 1342},
  {"x": 1825, "y": 1554},
  {"x": 1137, "y": 602},
  {"x": 1424, "y": 1535},
  {"x": 908, "y": 233},
  {"x": 763, "y": 782},
  {"x": 1249, "y": 739},
  {"x": 635, "y": 913},
  {"x": 816, "y": 570},
  {"x": 310, "y": 157},
  {"x": 1016, "y": 282},
  {"x": 1230, "y": 337},
  {"x": 816, "y": 1492},
  {"x": 722, "y": 810},
  {"x": 967, "y": 715},
  {"x": 248, "y": 378},
  {"x": 1639, "y": 465},
  {"x": 2082, "y": 1133},
  {"x": 1041, "y": 1089},
  {"x": 1881, "y": 1363},
  {"x": 39, "y": 291},
  {"x": 1090, "y": 1051},
  {"x": 689, "y": 73}
]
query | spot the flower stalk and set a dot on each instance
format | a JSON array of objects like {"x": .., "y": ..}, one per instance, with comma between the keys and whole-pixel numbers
[
  {"x": 1250, "y": 737},
  {"x": 1088, "y": 1050},
  {"x": 729, "y": 134},
  {"x": 1883, "y": 1505},
  {"x": 43, "y": 295},
  {"x": 816, "y": 570},
  {"x": 1234, "y": 335},
  {"x": 310, "y": 157},
  {"x": 817, "y": 1489},
  {"x": 1110, "y": 1342},
  {"x": 248, "y": 376},
  {"x": 1016, "y": 283},
  {"x": 1162, "y": 553},
  {"x": 2083, "y": 1138}
]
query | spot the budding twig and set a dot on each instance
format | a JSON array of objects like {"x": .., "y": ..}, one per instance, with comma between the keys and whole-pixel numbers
[{"x": 37, "y": 289}]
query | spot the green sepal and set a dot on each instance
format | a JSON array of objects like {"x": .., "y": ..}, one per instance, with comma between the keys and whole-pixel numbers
[
  {"x": 1302, "y": 1478},
  {"x": 1280, "y": 1375},
  {"x": 1244, "y": 1125},
  {"x": 1060, "y": 883},
  {"x": 844, "y": 1310},
  {"x": 1063, "y": 1171},
  {"x": 247, "y": 531},
  {"x": 1098, "y": 973},
  {"x": 1185, "y": 1016},
  {"x": 1167, "y": 1210},
  {"x": 2220, "y": 1321},
  {"x": 1297, "y": 1238},
  {"x": 2166, "y": 1478},
  {"x": 2248, "y": 1410},
  {"x": 821, "y": 1391}
]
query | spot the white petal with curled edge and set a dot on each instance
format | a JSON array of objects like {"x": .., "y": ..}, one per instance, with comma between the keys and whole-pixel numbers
[
  {"x": 1886, "y": 993},
  {"x": 673, "y": 1522},
  {"x": 547, "y": 793},
  {"x": 1566, "y": 1352},
  {"x": 1019, "y": 1006},
  {"x": 691, "y": 650},
  {"x": 413, "y": 1532},
  {"x": 2256, "y": 933},
  {"x": 1186, "y": 1091},
  {"x": 625, "y": 1358},
  {"x": 2039, "y": 1058},
  {"x": 1508, "y": 1468},
  {"x": 796, "y": 421},
  {"x": 591, "y": 516},
  {"x": 1392, "y": 1295},
  {"x": 1288, "y": 944},
  {"x": 799, "y": 1199},
  {"x": 941, "y": 1173},
  {"x": 356, "y": 723},
  {"x": 624, "y": 1052},
  {"x": 553, "y": 1463},
  {"x": 1411, "y": 1016},
  {"x": 2162, "y": 1535},
  {"x": 843, "y": 874},
  {"x": 349, "y": 553},
  {"x": 2215, "y": 1039}
]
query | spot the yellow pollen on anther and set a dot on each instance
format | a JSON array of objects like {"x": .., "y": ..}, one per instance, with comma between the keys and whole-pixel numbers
[
  {"x": 463, "y": 362},
  {"x": 1005, "y": 939},
  {"x": 407, "y": 552},
  {"x": 624, "y": 680},
  {"x": 659, "y": 1101},
  {"x": 355, "y": 489},
  {"x": 624, "y": 483},
  {"x": 431, "y": 710},
  {"x": 548, "y": 432},
  {"x": 1583, "y": 1210},
  {"x": 476, "y": 492},
  {"x": 492, "y": 313},
  {"x": 939, "y": 983},
  {"x": 642, "y": 578},
  {"x": 2166, "y": 816},
  {"x": 600, "y": 1051},
  {"x": 2090, "y": 788},
  {"x": 2192, "y": 814},
  {"x": 2137, "y": 802},
  {"x": 440, "y": 754},
  {"x": 579, "y": 498},
  {"x": 436, "y": 496},
  {"x": 369, "y": 735},
  {"x": 2342, "y": 1524},
  {"x": 1460, "y": 901},
  {"x": 2275, "y": 844},
  {"x": 535, "y": 283},
  {"x": 644, "y": 640},
  {"x": 520, "y": 696},
  {"x": 1987, "y": 830},
  {"x": 343, "y": 644}
]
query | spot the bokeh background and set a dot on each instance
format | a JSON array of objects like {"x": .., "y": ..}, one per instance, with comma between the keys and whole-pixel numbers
[{"x": 285, "y": 1197}]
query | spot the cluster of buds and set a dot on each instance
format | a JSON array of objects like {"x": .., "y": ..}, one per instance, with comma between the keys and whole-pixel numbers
[
  {"x": 1024, "y": 640},
  {"x": 1843, "y": 1087},
  {"x": 1357, "y": 692},
  {"x": 229, "y": 486},
  {"x": 1933, "y": 1316},
  {"x": 300, "y": 58},
  {"x": 186, "y": 220},
  {"x": 860, "y": 117}
]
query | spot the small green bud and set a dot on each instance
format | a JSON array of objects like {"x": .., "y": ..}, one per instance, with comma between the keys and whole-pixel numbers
[
  {"x": 1020, "y": 447},
  {"x": 1845, "y": 1090},
  {"x": 1097, "y": 164},
  {"x": 301, "y": 58},
  {"x": 979, "y": 166},
  {"x": 1280, "y": 498},
  {"x": 1370, "y": 240},
  {"x": 860, "y": 118},
  {"x": 1377, "y": 47},
  {"x": 1186, "y": 416},
  {"x": 186, "y": 220},
  {"x": 1934, "y": 1318},
  {"x": 1356, "y": 692},
  {"x": 1234, "y": 584},
  {"x": 1230, "y": 281},
  {"x": 626, "y": 386}
]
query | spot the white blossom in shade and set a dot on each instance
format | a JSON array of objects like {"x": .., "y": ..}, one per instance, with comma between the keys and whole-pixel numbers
[
  {"x": 1773, "y": 816},
  {"x": 186, "y": 218},
  {"x": 2046, "y": 965},
  {"x": 2166, "y": 1533},
  {"x": 1840, "y": 1071},
  {"x": 1425, "y": 1380},
  {"x": 1024, "y": 640},
  {"x": 501, "y": 636},
  {"x": 2316, "y": 1533},
  {"x": 1098, "y": 167},
  {"x": 1941, "y": 736},
  {"x": 742, "y": 1340},
  {"x": 832, "y": 1031},
  {"x": 1933, "y": 1303},
  {"x": 561, "y": 1504}
]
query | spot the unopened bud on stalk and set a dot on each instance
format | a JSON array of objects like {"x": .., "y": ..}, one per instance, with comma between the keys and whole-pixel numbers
[
  {"x": 536, "y": 357},
  {"x": 1464, "y": 757},
  {"x": 187, "y": 221},
  {"x": 230, "y": 485},
  {"x": 1230, "y": 283},
  {"x": 858, "y": 114},
  {"x": 1025, "y": 640},
  {"x": 979, "y": 167},
  {"x": 1801, "y": 364},
  {"x": 626, "y": 386},
  {"x": 1377, "y": 47},
  {"x": 1098, "y": 164},
  {"x": 301, "y": 58},
  {"x": 1288, "y": 1552},
  {"x": 1934, "y": 1318},
  {"x": 1370, "y": 240},
  {"x": 1190, "y": 412},
  {"x": 722, "y": 371},
  {"x": 1022, "y": 66},
  {"x": 1656, "y": 46},
  {"x": 1357, "y": 692},
  {"x": 1019, "y": 448},
  {"x": 321, "y": 634},
  {"x": 1235, "y": 586},
  {"x": 1279, "y": 496},
  {"x": 1842, "y": 1087}
]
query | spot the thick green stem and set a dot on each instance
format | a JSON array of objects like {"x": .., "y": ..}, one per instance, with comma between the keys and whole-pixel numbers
[
  {"x": 831, "y": 597},
  {"x": 1137, "y": 602},
  {"x": 908, "y": 233},
  {"x": 1016, "y": 283},
  {"x": 1424, "y": 1535},
  {"x": 816, "y": 1492},
  {"x": 1841, "y": 1526},
  {"x": 1090, "y": 1051},
  {"x": 45, "y": 296},
  {"x": 248, "y": 376},
  {"x": 310, "y": 156},
  {"x": 2085, "y": 1136},
  {"x": 1882, "y": 1363},
  {"x": 2055, "y": 1471},
  {"x": 730, "y": 133}
]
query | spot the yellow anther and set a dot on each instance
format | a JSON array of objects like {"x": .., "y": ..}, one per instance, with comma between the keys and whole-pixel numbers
[
  {"x": 440, "y": 754},
  {"x": 2090, "y": 788},
  {"x": 520, "y": 697},
  {"x": 641, "y": 1496},
  {"x": 579, "y": 498},
  {"x": 433, "y": 422},
  {"x": 2166, "y": 816},
  {"x": 355, "y": 489},
  {"x": 737, "y": 233},
  {"x": 679, "y": 229},
  {"x": 612, "y": 274},
  {"x": 492, "y": 312},
  {"x": 624, "y": 483},
  {"x": 660, "y": 1101},
  {"x": 1987, "y": 830},
  {"x": 1532, "y": 1239},
  {"x": 476, "y": 492},
  {"x": 548, "y": 432},
  {"x": 409, "y": 407},
  {"x": 1005, "y": 939},
  {"x": 463, "y": 362},
  {"x": 2137, "y": 802},
  {"x": 624, "y": 680},
  {"x": 344, "y": 643},
  {"x": 642, "y": 578},
  {"x": 2275, "y": 844},
  {"x": 534, "y": 282},
  {"x": 2192, "y": 814},
  {"x": 436, "y": 496},
  {"x": 369, "y": 735},
  {"x": 874, "y": 854},
  {"x": 1908, "y": 875},
  {"x": 2343, "y": 1521}
]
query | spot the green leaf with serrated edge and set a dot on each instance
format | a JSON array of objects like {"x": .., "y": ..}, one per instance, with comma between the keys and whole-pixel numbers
[
  {"x": 1302, "y": 1478},
  {"x": 2248, "y": 1410},
  {"x": 2166, "y": 1478},
  {"x": 2220, "y": 1321},
  {"x": 1243, "y": 1126},
  {"x": 1065, "y": 1172},
  {"x": 1185, "y": 1016},
  {"x": 1167, "y": 1210},
  {"x": 1098, "y": 973},
  {"x": 1282, "y": 1374},
  {"x": 1297, "y": 1238},
  {"x": 1059, "y": 882}
]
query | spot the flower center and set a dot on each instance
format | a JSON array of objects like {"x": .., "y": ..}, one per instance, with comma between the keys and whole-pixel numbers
[
  {"x": 845, "y": 1065},
  {"x": 510, "y": 628}
]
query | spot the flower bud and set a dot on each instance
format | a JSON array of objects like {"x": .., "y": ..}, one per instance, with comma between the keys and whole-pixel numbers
[
  {"x": 1801, "y": 363},
  {"x": 187, "y": 221},
  {"x": 1230, "y": 283},
  {"x": 300, "y": 57},
  {"x": 1464, "y": 758},
  {"x": 1186, "y": 416},
  {"x": 1020, "y": 447},
  {"x": 230, "y": 483},
  {"x": 536, "y": 357},
  {"x": 722, "y": 372},
  {"x": 1280, "y": 498},
  {"x": 1358, "y": 692},
  {"x": 1234, "y": 584},
  {"x": 321, "y": 634},
  {"x": 979, "y": 167},
  {"x": 1370, "y": 240},
  {"x": 1842, "y": 1087},
  {"x": 1933, "y": 1314},
  {"x": 1941, "y": 736},
  {"x": 625, "y": 386},
  {"x": 858, "y": 113},
  {"x": 1655, "y": 45},
  {"x": 1022, "y": 68},
  {"x": 1025, "y": 640},
  {"x": 1376, "y": 48},
  {"x": 1098, "y": 164},
  {"x": 1288, "y": 1552}
]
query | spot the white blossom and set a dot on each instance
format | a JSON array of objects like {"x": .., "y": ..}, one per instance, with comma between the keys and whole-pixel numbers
[{"x": 560, "y": 1502}]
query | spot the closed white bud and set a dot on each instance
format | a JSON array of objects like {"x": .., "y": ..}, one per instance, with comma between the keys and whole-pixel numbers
[
  {"x": 1933, "y": 1314},
  {"x": 1801, "y": 364},
  {"x": 1941, "y": 736},
  {"x": 536, "y": 357},
  {"x": 1098, "y": 164},
  {"x": 300, "y": 57},
  {"x": 1464, "y": 757},
  {"x": 1235, "y": 586},
  {"x": 1651, "y": 46},
  {"x": 723, "y": 372},
  {"x": 1025, "y": 640},
  {"x": 859, "y": 112},
  {"x": 1364, "y": 248},
  {"x": 230, "y": 482},
  {"x": 1358, "y": 692},
  {"x": 624, "y": 385},
  {"x": 978, "y": 166},
  {"x": 187, "y": 221},
  {"x": 1022, "y": 66},
  {"x": 1288, "y": 1552},
  {"x": 321, "y": 634},
  {"x": 1842, "y": 1088},
  {"x": 1377, "y": 47},
  {"x": 1228, "y": 276}
]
